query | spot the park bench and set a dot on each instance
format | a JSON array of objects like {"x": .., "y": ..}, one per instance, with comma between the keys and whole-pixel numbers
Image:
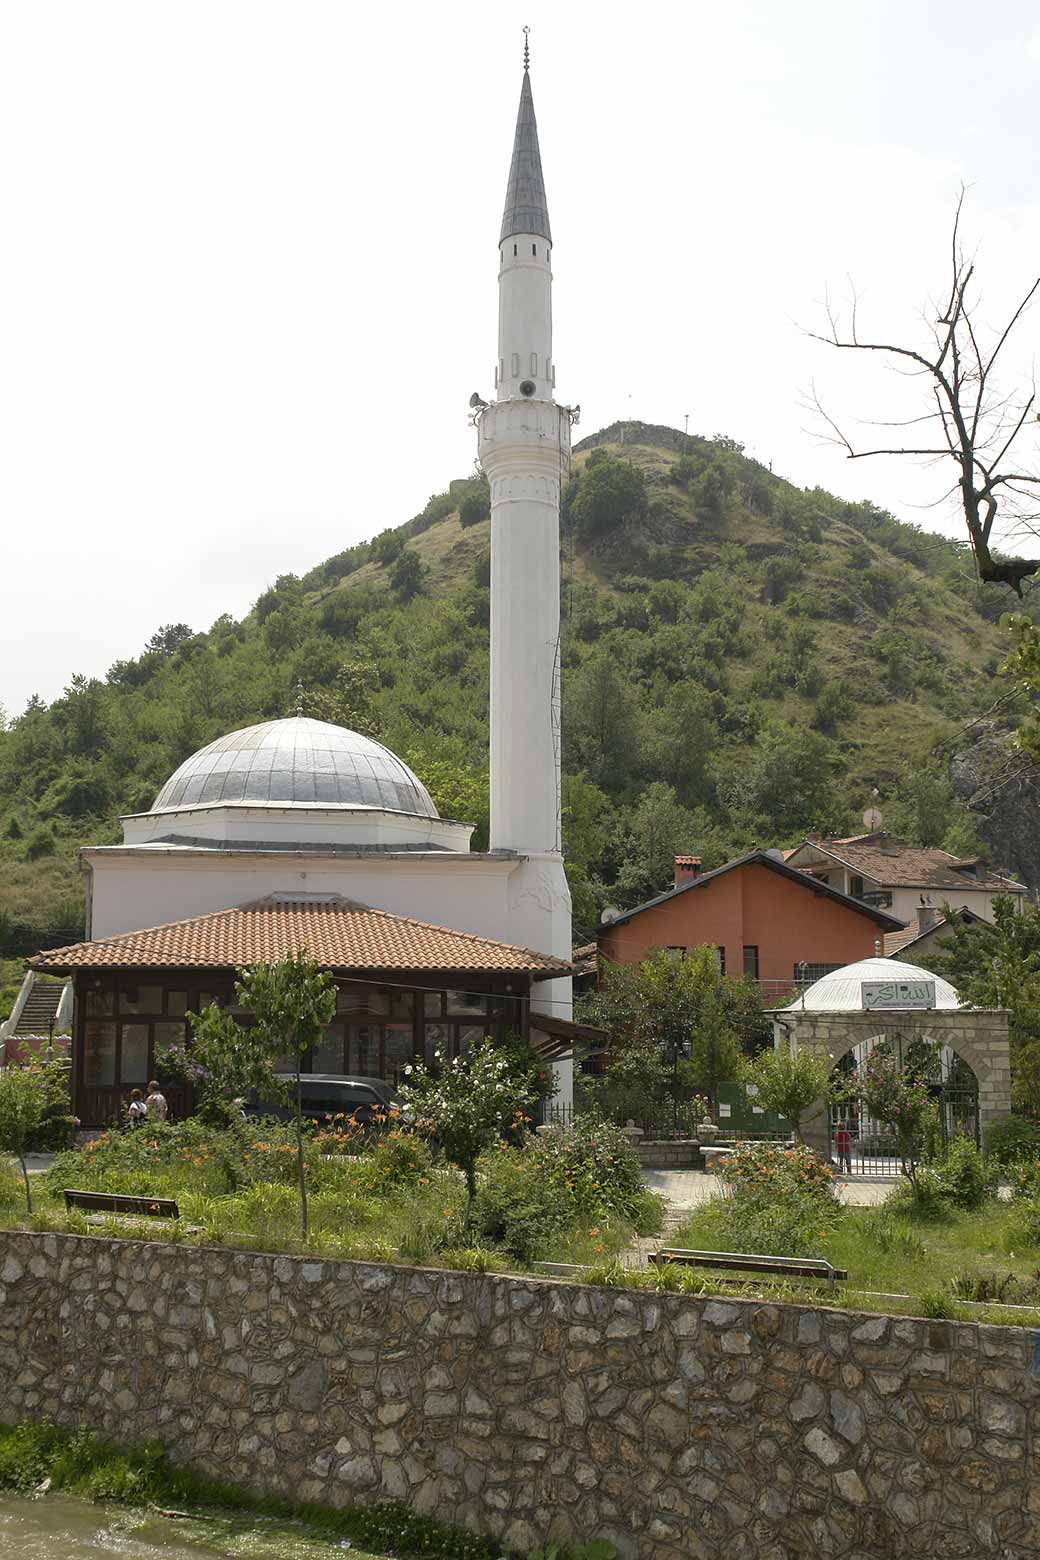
[
  {"x": 122, "y": 1202},
  {"x": 749, "y": 1262}
]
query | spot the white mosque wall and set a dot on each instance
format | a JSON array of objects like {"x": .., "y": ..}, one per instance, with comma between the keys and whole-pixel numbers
[{"x": 301, "y": 823}]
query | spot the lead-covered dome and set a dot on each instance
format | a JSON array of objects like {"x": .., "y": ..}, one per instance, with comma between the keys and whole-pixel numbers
[
  {"x": 842, "y": 990},
  {"x": 297, "y": 760}
]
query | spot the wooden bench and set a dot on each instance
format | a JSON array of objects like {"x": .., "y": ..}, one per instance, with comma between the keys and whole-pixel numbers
[
  {"x": 123, "y": 1202},
  {"x": 749, "y": 1262}
]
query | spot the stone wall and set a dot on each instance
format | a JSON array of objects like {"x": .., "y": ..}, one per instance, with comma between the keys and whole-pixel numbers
[{"x": 532, "y": 1409}]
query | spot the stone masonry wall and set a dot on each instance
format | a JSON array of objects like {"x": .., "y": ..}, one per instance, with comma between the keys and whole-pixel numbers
[{"x": 534, "y": 1410}]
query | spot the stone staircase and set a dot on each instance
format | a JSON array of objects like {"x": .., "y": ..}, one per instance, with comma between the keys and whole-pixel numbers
[{"x": 40, "y": 1008}]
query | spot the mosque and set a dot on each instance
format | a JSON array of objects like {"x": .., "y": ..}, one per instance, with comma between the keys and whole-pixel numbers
[{"x": 298, "y": 834}]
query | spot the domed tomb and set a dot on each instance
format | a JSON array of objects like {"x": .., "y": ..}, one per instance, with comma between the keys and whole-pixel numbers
[
  {"x": 292, "y": 761},
  {"x": 842, "y": 990}
]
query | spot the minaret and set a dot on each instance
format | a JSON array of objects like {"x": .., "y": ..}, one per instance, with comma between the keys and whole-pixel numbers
[{"x": 524, "y": 443}]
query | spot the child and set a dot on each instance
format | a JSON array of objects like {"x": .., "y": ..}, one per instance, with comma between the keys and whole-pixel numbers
[{"x": 137, "y": 1109}]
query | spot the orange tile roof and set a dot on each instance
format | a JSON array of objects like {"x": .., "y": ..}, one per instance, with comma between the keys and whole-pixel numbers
[{"x": 339, "y": 934}]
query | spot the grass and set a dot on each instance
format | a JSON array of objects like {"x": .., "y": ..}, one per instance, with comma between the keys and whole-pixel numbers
[
  {"x": 379, "y": 1205},
  {"x": 223, "y": 1517},
  {"x": 938, "y": 1264}
]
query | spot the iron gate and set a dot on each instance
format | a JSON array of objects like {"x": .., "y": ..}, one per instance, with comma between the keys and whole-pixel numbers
[{"x": 862, "y": 1146}]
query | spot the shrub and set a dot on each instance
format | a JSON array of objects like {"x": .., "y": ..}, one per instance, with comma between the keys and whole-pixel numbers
[
  {"x": 1022, "y": 1226},
  {"x": 517, "y": 1208},
  {"x": 593, "y": 1169},
  {"x": 962, "y": 1177},
  {"x": 401, "y": 1158},
  {"x": 779, "y": 1200},
  {"x": 1011, "y": 1142},
  {"x": 924, "y": 1202}
]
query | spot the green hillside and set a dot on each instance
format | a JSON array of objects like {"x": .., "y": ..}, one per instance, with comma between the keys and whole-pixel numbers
[{"x": 743, "y": 660}]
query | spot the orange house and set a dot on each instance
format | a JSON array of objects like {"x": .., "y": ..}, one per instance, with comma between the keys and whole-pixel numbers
[{"x": 766, "y": 919}]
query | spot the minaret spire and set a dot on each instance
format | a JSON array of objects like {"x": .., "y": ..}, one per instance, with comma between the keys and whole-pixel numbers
[
  {"x": 527, "y": 49},
  {"x": 526, "y": 209}
]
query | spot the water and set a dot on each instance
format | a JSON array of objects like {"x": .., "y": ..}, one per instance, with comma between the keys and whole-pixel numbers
[
  {"x": 54, "y": 1528},
  {"x": 59, "y": 1529}
]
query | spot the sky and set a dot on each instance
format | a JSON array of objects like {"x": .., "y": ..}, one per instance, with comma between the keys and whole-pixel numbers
[{"x": 248, "y": 276}]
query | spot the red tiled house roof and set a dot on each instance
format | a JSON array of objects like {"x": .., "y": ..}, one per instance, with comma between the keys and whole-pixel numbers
[{"x": 338, "y": 934}]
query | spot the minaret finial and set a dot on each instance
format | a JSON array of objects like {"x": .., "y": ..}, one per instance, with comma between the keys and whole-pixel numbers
[
  {"x": 298, "y": 710},
  {"x": 527, "y": 50}
]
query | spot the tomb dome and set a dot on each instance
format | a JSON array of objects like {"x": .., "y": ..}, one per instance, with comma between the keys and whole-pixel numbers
[{"x": 842, "y": 990}]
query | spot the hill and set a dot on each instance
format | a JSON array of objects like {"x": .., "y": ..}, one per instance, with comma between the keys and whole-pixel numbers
[{"x": 743, "y": 660}]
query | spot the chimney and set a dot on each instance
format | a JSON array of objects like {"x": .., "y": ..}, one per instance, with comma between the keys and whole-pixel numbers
[
  {"x": 686, "y": 869},
  {"x": 927, "y": 915}
]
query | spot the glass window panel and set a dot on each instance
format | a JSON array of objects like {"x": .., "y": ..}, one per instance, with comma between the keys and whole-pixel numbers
[
  {"x": 134, "y": 1060},
  {"x": 101, "y": 1003},
  {"x": 176, "y": 1003},
  {"x": 467, "y": 1002},
  {"x": 469, "y": 1036},
  {"x": 364, "y": 1050},
  {"x": 140, "y": 999},
  {"x": 433, "y": 1004},
  {"x": 436, "y": 1040},
  {"x": 350, "y": 999},
  {"x": 402, "y": 1004},
  {"x": 206, "y": 997},
  {"x": 99, "y": 1055},
  {"x": 400, "y": 1052},
  {"x": 328, "y": 1056},
  {"x": 168, "y": 1034}
]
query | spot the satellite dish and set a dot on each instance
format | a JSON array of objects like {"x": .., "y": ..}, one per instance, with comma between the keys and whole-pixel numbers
[
  {"x": 775, "y": 855},
  {"x": 609, "y": 914},
  {"x": 872, "y": 819}
]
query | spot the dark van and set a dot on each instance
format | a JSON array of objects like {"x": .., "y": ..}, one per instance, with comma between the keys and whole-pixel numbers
[{"x": 365, "y": 1101}]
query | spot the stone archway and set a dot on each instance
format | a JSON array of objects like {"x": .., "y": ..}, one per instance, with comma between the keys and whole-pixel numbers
[{"x": 979, "y": 1036}]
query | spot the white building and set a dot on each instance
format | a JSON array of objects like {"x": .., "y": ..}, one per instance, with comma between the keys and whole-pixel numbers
[
  {"x": 298, "y": 808},
  {"x": 912, "y": 881}
]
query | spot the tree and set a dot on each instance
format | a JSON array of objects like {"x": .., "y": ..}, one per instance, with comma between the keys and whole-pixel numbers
[
  {"x": 291, "y": 1003},
  {"x": 970, "y": 423},
  {"x": 469, "y": 1104},
  {"x": 685, "y": 1010},
  {"x": 408, "y": 574},
  {"x": 606, "y": 493},
  {"x": 653, "y": 833},
  {"x": 998, "y": 965},
  {"x": 787, "y": 1082},
  {"x": 601, "y": 721},
  {"x": 22, "y": 1107},
  {"x": 388, "y": 547},
  {"x": 349, "y": 702},
  {"x": 223, "y": 1063}
]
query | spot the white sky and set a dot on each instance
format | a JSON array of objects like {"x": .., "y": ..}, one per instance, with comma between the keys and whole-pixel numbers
[{"x": 248, "y": 273}]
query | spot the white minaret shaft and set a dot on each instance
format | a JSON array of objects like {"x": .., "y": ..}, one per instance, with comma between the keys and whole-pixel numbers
[{"x": 524, "y": 449}]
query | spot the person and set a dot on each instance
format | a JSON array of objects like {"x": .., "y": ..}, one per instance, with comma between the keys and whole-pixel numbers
[
  {"x": 137, "y": 1110},
  {"x": 155, "y": 1104},
  {"x": 843, "y": 1144}
]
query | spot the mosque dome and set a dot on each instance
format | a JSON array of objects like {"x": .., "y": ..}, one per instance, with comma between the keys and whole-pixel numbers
[
  {"x": 282, "y": 763},
  {"x": 842, "y": 990}
]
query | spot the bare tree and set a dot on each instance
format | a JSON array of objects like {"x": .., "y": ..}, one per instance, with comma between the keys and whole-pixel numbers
[{"x": 967, "y": 418}]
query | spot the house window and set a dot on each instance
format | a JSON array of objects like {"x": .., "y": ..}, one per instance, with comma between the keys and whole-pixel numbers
[
  {"x": 809, "y": 972},
  {"x": 856, "y": 887},
  {"x": 676, "y": 953},
  {"x": 751, "y": 962},
  {"x": 720, "y": 957}
]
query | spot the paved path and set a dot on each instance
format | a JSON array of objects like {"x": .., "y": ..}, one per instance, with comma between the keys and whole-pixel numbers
[{"x": 685, "y": 1189}]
